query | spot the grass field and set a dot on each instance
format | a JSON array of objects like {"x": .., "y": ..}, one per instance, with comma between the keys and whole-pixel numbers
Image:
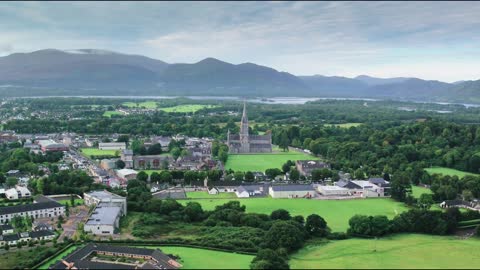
[
  {"x": 417, "y": 191},
  {"x": 146, "y": 104},
  {"x": 190, "y": 108},
  {"x": 346, "y": 125},
  {"x": 448, "y": 171},
  {"x": 261, "y": 162},
  {"x": 398, "y": 252},
  {"x": 110, "y": 113},
  {"x": 205, "y": 195},
  {"x": 77, "y": 202},
  {"x": 58, "y": 257},
  {"x": 196, "y": 258},
  {"x": 335, "y": 212},
  {"x": 97, "y": 152}
]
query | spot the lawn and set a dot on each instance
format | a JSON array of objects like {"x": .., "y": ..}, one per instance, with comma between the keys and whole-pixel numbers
[
  {"x": 110, "y": 113},
  {"x": 417, "y": 191},
  {"x": 336, "y": 212},
  {"x": 205, "y": 195},
  {"x": 190, "y": 108},
  {"x": 398, "y": 252},
  {"x": 146, "y": 104},
  {"x": 97, "y": 152},
  {"x": 345, "y": 125},
  {"x": 448, "y": 171},
  {"x": 196, "y": 258},
  {"x": 261, "y": 162},
  {"x": 58, "y": 257},
  {"x": 77, "y": 202}
]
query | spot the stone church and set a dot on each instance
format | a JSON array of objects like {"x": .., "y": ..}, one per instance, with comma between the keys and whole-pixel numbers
[{"x": 246, "y": 143}]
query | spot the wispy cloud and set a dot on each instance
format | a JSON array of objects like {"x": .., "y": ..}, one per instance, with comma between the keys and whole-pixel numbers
[{"x": 341, "y": 38}]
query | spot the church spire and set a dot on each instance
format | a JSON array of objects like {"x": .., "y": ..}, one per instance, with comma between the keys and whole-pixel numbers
[{"x": 244, "y": 123}]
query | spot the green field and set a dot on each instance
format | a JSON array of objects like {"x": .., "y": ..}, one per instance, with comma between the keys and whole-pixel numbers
[
  {"x": 448, "y": 171},
  {"x": 58, "y": 257},
  {"x": 417, "y": 191},
  {"x": 205, "y": 195},
  {"x": 397, "y": 252},
  {"x": 336, "y": 212},
  {"x": 146, "y": 104},
  {"x": 196, "y": 258},
  {"x": 190, "y": 108},
  {"x": 110, "y": 113},
  {"x": 261, "y": 162},
  {"x": 76, "y": 201},
  {"x": 345, "y": 125},
  {"x": 97, "y": 152}
]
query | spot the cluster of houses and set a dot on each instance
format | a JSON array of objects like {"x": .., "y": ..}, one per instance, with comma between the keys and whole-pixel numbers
[
  {"x": 374, "y": 187},
  {"x": 42, "y": 207}
]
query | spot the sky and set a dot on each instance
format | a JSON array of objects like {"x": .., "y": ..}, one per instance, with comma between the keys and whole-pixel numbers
[{"x": 428, "y": 40}]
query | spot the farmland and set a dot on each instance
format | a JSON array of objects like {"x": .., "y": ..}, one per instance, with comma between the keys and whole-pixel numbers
[
  {"x": 336, "y": 212},
  {"x": 345, "y": 125},
  {"x": 448, "y": 171},
  {"x": 146, "y": 104},
  {"x": 261, "y": 162},
  {"x": 399, "y": 251},
  {"x": 190, "y": 108},
  {"x": 97, "y": 152}
]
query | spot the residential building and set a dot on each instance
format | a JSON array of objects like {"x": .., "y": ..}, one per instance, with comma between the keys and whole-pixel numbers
[
  {"x": 18, "y": 192},
  {"x": 152, "y": 161},
  {"x": 42, "y": 207},
  {"x": 292, "y": 191},
  {"x": 112, "y": 146},
  {"x": 6, "y": 229},
  {"x": 147, "y": 258},
  {"x": 247, "y": 191},
  {"x": 13, "y": 238},
  {"x": 305, "y": 167},
  {"x": 126, "y": 174}
]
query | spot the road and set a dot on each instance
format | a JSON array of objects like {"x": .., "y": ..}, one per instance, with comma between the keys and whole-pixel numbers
[{"x": 78, "y": 215}]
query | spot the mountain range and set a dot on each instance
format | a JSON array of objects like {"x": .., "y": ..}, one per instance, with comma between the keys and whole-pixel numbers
[{"x": 100, "y": 72}]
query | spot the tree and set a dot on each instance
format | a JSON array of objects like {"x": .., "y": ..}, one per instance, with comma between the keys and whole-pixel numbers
[
  {"x": 284, "y": 234},
  {"x": 400, "y": 186},
  {"x": 286, "y": 167},
  {"x": 123, "y": 138},
  {"x": 155, "y": 177},
  {"x": 166, "y": 177},
  {"x": 320, "y": 174},
  {"x": 142, "y": 176},
  {"x": 280, "y": 214},
  {"x": 272, "y": 173},
  {"x": 249, "y": 177},
  {"x": 238, "y": 176},
  {"x": 67, "y": 210},
  {"x": 176, "y": 152},
  {"x": 193, "y": 212},
  {"x": 467, "y": 195},
  {"x": 155, "y": 149},
  {"x": 294, "y": 175},
  {"x": 316, "y": 225},
  {"x": 284, "y": 141},
  {"x": 120, "y": 164},
  {"x": 12, "y": 181},
  {"x": 72, "y": 200},
  {"x": 269, "y": 259},
  {"x": 425, "y": 201}
]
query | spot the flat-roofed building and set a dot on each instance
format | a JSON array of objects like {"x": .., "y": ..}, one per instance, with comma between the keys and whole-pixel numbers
[
  {"x": 292, "y": 191},
  {"x": 52, "y": 146},
  {"x": 112, "y": 146},
  {"x": 333, "y": 191},
  {"x": 104, "y": 219}
]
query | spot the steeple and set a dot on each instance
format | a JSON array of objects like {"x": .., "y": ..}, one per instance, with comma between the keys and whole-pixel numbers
[{"x": 244, "y": 123}]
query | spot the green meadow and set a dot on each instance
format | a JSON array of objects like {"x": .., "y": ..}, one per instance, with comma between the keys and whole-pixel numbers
[
  {"x": 189, "y": 108},
  {"x": 97, "y": 152},
  {"x": 110, "y": 113},
  {"x": 412, "y": 251},
  {"x": 145, "y": 104},
  {"x": 58, "y": 257},
  {"x": 205, "y": 195},
  {"x": 261, "y": 162},
  {"x": 418, "y": 191},
  {"x": 448, "y": 171},
  {"x": 345, "y": 125},
  {"x": 335, "y": 212}
]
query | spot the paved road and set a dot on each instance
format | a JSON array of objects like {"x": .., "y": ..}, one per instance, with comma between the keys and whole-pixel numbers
[{"x": 78, "y": 215}]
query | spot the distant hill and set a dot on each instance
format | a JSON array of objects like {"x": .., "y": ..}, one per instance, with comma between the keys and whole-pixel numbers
[{"x": 100, "y": 72}]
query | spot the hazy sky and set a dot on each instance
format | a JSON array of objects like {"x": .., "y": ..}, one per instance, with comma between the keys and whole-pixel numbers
[{"x": 430, "y": 40}]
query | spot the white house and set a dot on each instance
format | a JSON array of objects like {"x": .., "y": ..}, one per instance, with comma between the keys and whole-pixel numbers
[
  {"x": 112, "y": 146},
  {"x": 17, "y": 193},
  {"x": 292, "y": 191},
  {"x": 248, "y": 191},
  {"x": 42, "y": 208},
  {"x": 105, "y": 217}
]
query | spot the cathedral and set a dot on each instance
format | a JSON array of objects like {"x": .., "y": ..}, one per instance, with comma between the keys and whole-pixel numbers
[{"x": 245, "y": 143}]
